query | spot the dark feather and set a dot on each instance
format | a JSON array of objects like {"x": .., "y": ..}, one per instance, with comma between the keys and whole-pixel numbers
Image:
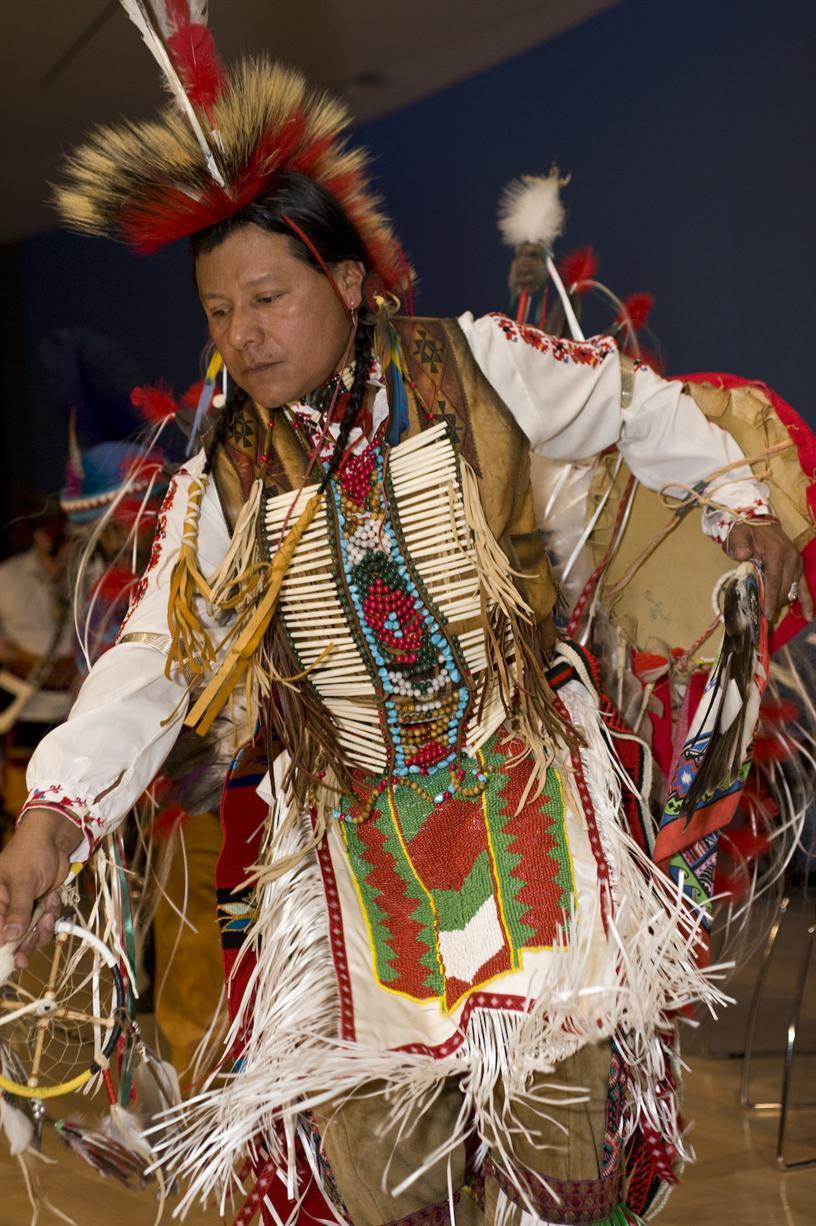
[{"x": 737, "y": 665}]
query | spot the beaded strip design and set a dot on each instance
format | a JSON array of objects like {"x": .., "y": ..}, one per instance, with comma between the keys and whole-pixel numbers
[{"x": 563, "y": 1201}]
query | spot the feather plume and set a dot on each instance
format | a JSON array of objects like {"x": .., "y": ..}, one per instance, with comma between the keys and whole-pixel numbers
[
  {"x": 143, "y": 16},
  {"x": 578, "y": 268},
  {"x": 199, "y": 65},
  {"x": 636, "y": 310},
  {"x": 105, "y": 1153},
  {"x": 74, "y": 467},
  {"x": 183, "y": 26},
  {"x": 7, "y": 953},
  {"x": 16, "y": 1117},
  {"x": 173, "y": 15},
  {"x": 30, "y": 1108},
  {"x": 16, "y": 1125},
  {"x": 155, "y": 403},
  {"x": 729, "y": 708},
  {"x": 191, "y": 397},
  {"x": 530, "y": 209}
]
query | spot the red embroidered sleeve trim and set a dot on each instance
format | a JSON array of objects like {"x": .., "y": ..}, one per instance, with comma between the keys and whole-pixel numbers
[
  {"x": 720, "y": 523},
  {"x": 75, "y": 808},
  {"x": 140, "y": 587},
  {"x": 572, "y": 353}
]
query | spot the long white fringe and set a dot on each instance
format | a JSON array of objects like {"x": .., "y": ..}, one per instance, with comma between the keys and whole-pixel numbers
[{"x": 293, "y": 1060}]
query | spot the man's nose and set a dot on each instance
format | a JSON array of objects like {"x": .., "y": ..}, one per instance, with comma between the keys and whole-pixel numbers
[{"x": 244, "y": 329}]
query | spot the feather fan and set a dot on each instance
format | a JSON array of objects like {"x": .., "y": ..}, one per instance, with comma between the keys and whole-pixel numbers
[{"x": 734, "y": 692}]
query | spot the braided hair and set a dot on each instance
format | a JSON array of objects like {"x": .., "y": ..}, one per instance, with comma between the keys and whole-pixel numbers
[{"x": 236, "y": 398}]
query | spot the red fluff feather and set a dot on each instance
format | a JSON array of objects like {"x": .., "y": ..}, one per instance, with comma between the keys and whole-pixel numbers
[
  {"x": 745, "y": 843},
  {"x": 648, "y": 358},
  {"x": 115, "y": 583},
  {"x": 155, "y": 402},
  {"x": 129, "y": 510},
  {"x": 192, "y": 49},
  {"x": 731, "y": 885},
  {"x": 773, "y": 749},
  {"x": 178, "y": 13},
  {"x": 783, "y": 712},
  {"x": 636, "y": 310},
  {"x": 191, "y": 397},
  {"x": 578, "y": 268}
]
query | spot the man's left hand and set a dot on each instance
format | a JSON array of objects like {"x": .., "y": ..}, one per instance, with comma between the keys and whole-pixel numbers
[{"x": 781, "y": 563}]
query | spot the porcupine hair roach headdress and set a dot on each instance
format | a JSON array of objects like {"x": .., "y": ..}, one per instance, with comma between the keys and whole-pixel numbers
[{"x": 219, "y": 145}]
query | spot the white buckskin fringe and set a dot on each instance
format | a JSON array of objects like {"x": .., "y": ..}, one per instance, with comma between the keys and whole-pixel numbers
[{"x": 624, "y": 985}]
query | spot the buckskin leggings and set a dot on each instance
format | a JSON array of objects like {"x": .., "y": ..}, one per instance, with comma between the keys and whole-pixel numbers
[{"x": 557, "y": 1156}]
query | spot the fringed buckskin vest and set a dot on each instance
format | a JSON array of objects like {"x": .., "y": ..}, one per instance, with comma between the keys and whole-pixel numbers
[{"x": 463, "y": 441}]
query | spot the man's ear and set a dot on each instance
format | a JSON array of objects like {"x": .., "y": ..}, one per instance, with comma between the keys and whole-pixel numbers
[{"x": 349, "y": 276}]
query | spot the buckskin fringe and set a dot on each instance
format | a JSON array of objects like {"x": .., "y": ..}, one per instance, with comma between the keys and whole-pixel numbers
[
  {"x": 510, "y": 631},
  {"x": 191, "y": 647},
  {"x": 244, "y": 640}
]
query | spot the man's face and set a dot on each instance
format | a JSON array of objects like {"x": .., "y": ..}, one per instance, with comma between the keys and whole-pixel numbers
[{"x": 275, "y": 320}]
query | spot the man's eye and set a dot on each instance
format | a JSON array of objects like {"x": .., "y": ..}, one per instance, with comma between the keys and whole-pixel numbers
[{"x": 266, "y": 298}]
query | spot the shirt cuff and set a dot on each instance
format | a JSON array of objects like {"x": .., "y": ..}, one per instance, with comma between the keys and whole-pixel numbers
[
  {"x": 718, "y": 522},
  {"x": 56, "y": 798}
]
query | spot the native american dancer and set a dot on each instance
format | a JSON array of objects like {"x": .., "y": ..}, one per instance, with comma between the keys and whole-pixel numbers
[{"x": 452, "y": 963}]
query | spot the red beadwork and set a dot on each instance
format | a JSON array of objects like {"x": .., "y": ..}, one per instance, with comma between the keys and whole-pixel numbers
[
  {"x": 356, "y": 475},
  {"x": 428, "y": 755},
  {"x": 379, "y": 603}
]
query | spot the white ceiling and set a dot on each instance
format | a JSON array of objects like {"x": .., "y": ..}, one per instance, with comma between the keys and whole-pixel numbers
[{"x": 67, "y": 64}]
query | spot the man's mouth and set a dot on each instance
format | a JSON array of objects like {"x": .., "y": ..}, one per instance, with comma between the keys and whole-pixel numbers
[{"x": 259, "y": 368}]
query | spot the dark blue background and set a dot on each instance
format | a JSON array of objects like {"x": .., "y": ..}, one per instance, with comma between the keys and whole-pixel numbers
[{"x": 687, "y": 126}]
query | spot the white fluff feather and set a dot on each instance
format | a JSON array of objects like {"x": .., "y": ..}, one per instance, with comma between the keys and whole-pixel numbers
[{"x": 530, "y": 210}]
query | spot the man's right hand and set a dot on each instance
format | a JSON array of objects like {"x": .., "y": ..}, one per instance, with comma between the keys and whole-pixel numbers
[{"x": 33, "y": 866}]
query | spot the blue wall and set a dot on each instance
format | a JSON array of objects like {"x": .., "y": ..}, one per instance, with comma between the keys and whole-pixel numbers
[{"x": 688, "y": 128}]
